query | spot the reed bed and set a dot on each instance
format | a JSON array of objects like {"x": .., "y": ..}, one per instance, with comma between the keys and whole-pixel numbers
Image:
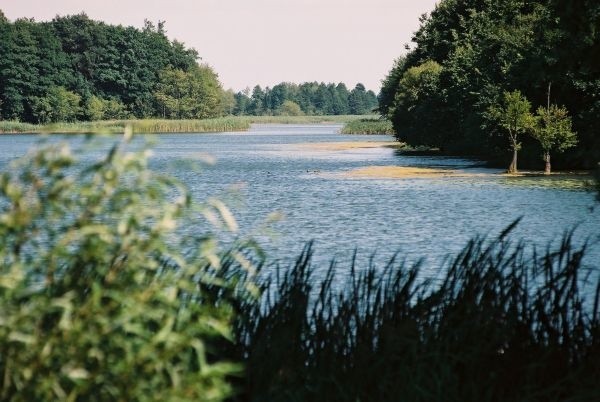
[
  {"x": 501, "y": 324},
  {"x": 368, "y": 126},
  {"x": 335, "y": 119},
  {"x": 139, "y": 126},
  {"x": 9, "y": 126},
  {"x": 142, "y": 126}
]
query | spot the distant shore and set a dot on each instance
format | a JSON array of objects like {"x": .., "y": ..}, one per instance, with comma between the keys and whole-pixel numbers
[{"x": 153, "y": 126}]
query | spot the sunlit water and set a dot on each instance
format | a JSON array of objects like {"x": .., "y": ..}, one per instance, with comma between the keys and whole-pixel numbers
[{"x": 417, "y": 218}]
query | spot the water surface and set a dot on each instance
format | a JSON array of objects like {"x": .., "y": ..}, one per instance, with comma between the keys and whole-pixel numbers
[{"x": 417, "y": 217}]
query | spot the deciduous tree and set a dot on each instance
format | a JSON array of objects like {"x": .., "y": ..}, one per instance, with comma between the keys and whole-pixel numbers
[
  {"x": 514, "y": 116},
  {"x": 553, "y": 130}
]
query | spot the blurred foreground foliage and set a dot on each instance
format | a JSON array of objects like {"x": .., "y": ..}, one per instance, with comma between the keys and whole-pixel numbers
[{"x": 103, "y": 297}]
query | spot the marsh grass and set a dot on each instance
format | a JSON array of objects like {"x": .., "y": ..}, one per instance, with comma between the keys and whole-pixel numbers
[
  {"x": 138, "y": 126},
  {"x": 143, "y": 126},
  {"x": 368, "y": 126},
  {"x": 502, "y": 324},
  {"x": 336, "y": 119}
]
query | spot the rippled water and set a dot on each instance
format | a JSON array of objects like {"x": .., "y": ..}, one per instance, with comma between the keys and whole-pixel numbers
[{"x": 418, "y": 217}]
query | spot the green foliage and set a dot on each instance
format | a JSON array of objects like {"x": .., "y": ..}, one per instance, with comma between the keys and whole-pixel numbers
[
  {"x": 312, "y": 97},
  {"x": 553, "y": 130},
  {"x": 361, "y": 101},
  {"x": 119, "y": 65},
  {"x": 532, "y": 44},
  {"x": 196, "y": 94},
  {"x": 122, "y": 71},
  {"x": 148, "y": 126},
  {"x": 514, "y": 116},
  {"x": 418, "y": 94},
  {"x": 228, "y": 102},
  {"x": 103, "y": 297},
  {"x": 59, "y": 105},
  {"x": 368, "y": 126},
  {"x": 105, "y": 109},
  {"x": 389, "y": 87},
  {"x": 290, "y": 108},
  {"x": 497, "y": 324}
]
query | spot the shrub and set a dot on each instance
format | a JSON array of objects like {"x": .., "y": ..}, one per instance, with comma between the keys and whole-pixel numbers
[
  {"x": 59, "y": 104},
  {"x": 103, "y": 298},
  {"x": 103, "y": 109},
  {"x": 368, "y": 126},
  {"x": 290, "y": 108}
]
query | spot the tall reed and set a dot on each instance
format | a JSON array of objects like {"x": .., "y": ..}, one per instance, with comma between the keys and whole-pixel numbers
[
  {"x": 143, "y": 126},
  {"x": 368, "y": 126},
  {"x": 501, "y": 324}
]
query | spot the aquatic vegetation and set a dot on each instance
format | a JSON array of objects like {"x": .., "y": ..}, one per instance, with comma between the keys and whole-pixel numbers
[
  {"x": 368, "y": 126},
  {"x": 146, "y": 126},
  {"x": 141, "y": 126},
  {"x": 498, "y": 324}
]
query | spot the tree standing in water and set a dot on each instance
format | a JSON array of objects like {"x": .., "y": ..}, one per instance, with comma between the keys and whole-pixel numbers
[
  {"x": 553, "y": 129},
  {"x": 515, "y": 117}
]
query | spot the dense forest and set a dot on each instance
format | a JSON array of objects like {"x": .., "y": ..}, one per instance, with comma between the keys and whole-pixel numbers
[
  {"x": 471, "y": 56},
  {"x": 310, "y": 98},
  {"x": 73, "y": 68}
]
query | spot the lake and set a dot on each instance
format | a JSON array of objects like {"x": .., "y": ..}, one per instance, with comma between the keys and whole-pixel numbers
[{"x": 305, "y": 173}]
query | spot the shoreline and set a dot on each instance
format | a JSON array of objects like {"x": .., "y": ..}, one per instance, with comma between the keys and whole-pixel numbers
[
  {"x": 161, "y": 126},
  {"x": 412, "y": 172}
]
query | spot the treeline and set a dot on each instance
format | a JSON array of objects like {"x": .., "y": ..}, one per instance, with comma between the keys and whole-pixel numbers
[
  {"x": 309, "y": 98},
  {"x": 74, "y": 68},
  {"x": 469, "y": 54}
]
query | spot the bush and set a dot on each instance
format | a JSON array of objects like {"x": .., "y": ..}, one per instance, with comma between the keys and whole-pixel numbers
[
  {"x": 102, "y": 297},
  {"x": 290, "y": 108},
  {"x": 368, "y": 126},
  {"x": 103, "y": 109},
  {"x": 58, "y": 105}
]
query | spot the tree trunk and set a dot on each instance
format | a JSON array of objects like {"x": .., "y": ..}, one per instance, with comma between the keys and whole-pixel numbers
[
  {"x": 547, "y": 160},
  {"x": 513, "y": 165}
]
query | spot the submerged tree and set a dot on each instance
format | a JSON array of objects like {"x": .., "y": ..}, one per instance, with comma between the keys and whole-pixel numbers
[
  {"x": 553, "y": 129},
  {"x": 515, "y": 117}
]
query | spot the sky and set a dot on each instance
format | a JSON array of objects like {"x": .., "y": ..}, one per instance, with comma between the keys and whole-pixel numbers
[{"x": 266, "y": 42}]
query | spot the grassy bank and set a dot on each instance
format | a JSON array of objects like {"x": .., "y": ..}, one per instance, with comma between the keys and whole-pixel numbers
[
  {"x": 222, "y": 124},
  {"x": 499, "y": 324},
  {"x": 368, "y": 126}
]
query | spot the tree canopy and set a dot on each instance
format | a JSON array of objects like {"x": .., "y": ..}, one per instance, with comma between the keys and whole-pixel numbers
[
  {"x": 313, "y": 98},
  {"x": 76, "y": 68},
  {"x": 553, "y": 130},
  {"x": 486, "y": 48}
]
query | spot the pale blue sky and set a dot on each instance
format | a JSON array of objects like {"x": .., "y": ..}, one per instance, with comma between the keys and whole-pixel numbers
[{"x": 266, "y": 41}]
